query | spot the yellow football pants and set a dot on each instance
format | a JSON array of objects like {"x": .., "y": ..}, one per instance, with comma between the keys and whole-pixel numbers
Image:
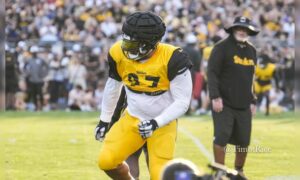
[
  {"x": 123, "y": 139},
  {"x": 261, "y": 89}
]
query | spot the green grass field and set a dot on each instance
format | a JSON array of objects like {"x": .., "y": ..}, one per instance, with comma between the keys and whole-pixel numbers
[{"x": 61, "y": 145}]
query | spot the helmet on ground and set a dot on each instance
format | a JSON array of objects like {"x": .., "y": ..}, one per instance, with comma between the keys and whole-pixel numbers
[{"x": 180, "y": 169}]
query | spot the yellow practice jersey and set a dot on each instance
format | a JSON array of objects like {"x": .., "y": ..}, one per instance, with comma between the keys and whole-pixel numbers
[
  {"x": 206, "y": 52},
  {"x": 263, "y": 77},
  {"x": 265, "y": 74},
  {"x": 151, "y": 76}
]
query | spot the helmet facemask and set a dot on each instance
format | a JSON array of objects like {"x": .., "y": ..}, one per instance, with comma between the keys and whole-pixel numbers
[{"x": 137, "y": 50}]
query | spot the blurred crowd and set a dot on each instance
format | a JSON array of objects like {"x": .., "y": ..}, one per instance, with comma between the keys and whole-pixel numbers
[{"x": 56, "y": 49}]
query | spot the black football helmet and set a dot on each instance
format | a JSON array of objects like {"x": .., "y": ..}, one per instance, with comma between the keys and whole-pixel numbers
[
  {"x": 141, "y": 33},
  {"x": 180, "y": 169}
]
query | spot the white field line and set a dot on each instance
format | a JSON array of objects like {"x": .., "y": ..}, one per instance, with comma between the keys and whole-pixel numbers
[
  {"x": 198, "y": 143},
  {"x": 295, "y": 177},
  {"x": 209, "y": 156}
]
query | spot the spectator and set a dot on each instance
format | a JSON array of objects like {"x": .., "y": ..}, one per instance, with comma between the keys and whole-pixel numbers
[
  {"x": 11, "y": 78},
  {"x": 88, "y": 102},
  {"x": 193, "y": 53},
  {"x": 48, "y": 32},
  {"x": 36, "y": 70},
  {"x": 77, "y": 72},
  {"x": 99, "y": 95},
  {"x": 76, "y": 98},
  {"x": 109, "y": 27},
  {"x": 20, "y": 104},
  {"x": 56, "y": 77},
  {"x": 95, "y": 25},
  {"x": 94, "y": 68},
  {"x": 195, "y": 57},
  {"x": 288, "y": 101}
]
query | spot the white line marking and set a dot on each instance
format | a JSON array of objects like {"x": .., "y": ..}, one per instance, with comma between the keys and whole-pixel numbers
[
  {"x": 198, "y": 143},
  {"x": 283, "y": 177}
]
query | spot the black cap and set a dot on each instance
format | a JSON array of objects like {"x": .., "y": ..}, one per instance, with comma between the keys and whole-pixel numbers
[{"x": 243, "y": 22}]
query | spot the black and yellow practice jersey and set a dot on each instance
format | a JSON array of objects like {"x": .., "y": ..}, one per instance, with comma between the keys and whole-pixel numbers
[
  {"x": 265, "y": 74},
  {"x": 152, "y": 76}
]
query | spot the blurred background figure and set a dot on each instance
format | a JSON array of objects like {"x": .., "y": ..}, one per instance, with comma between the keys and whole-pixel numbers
[
  {"x": 99, "y": 95},
  {"x": 77, "y": 72},
  {"x": 80, "y": 32},
  {"x": 95, "y": 67},
  {"x": 88, "y": 101},
  {"x": 11, "y": 78},
  {"x": 56, "y": 78},
  {"x": 195, "y": 56},
  {"x": 76, "y": 96},
  {"x": 36, "y": 70},
  {"x": 265, "y": 72}
]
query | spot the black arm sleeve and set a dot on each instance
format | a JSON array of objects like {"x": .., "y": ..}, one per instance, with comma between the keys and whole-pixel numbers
[
  {"x": 178, "y": 64},
  {"x": 214, "y": 68},
  {"x": 121, "y": 105},
  {"x": 113, "y": 73}
]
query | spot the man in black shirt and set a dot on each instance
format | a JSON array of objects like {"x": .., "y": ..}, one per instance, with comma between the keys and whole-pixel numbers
[{"x": 230, "y": 76}]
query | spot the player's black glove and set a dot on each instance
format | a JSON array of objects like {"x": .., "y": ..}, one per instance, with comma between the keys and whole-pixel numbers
[
  {"x": 146, "y": 128},
  {"x": 100, "y": 130}
]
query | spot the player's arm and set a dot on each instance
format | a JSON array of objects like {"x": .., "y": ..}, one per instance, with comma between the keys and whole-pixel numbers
[
  {"x": 254, "y": 97},
  {"x": 111, "y": 94},
  {"x": 213, "y": 71},
  {"x": 181, "y": 90},
  {"x": 121, "y": 105}
]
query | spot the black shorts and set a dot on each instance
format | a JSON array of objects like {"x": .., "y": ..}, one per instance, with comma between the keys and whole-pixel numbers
[{"x": 232, "y": 126}]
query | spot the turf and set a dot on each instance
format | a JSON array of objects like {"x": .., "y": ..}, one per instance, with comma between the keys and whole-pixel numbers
[{"x": 61, "y": 145}]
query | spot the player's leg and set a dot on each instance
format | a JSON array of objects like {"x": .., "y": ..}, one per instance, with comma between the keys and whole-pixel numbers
[
  {"x": 267, "y": 103},
  {"x": 133, "y": 163},
  {"x": 242, "y": 133},
  {"x": 161, "y": 147},
  {"x": 121, "y": 172},
  {"x": 145, "y": 150},
  {"x": 122, "y": 140},
  {"x": 223, "y": 125}
]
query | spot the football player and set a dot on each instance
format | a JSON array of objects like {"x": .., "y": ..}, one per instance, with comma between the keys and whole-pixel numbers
[
  {"x": 265, "y": 71},
  {"x": 133, "y": 159},
  {"x": 158, "y": 86}
]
